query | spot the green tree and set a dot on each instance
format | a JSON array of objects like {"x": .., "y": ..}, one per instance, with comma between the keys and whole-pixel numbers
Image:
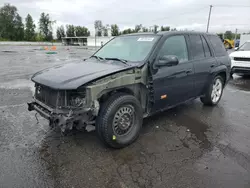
[
  {"x": 127, "y": 31},
  {"x": 114, "y": 30},
  {"x": 105, "y": 30},
  {"x": 70, "y": 30},
  {"x": 98, "y": 28},
  {"x": 81, "y": 31},
  {"x": 138, "y": 28},
  {"x": 18, "y": 29},
  {"x": 11, "y": 26},
  {"x": 60, "y": 32},
  {"x": 29, "y": 32},
  {"x": 167, "y": 28},
  {"x": 229, "y": 35},
  {"x": 38, "y": 37},
  {"x": 144, "y": 29},
  {"x": 45, "y": 27},
  {"x": 155, "y": 28}
]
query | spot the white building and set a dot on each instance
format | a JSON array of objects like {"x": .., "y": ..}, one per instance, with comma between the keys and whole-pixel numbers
[{"x": 85, "y": 41}]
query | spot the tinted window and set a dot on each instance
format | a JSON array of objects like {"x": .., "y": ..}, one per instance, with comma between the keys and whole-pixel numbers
[
  {"x": 206, "y": 48},
  {"x": 218, "y": 46},
  {"x": 175, "y": 45},
  {"x": 197, "y": 47}
]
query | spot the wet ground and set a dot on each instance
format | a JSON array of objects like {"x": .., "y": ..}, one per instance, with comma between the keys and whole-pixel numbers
[{"x": 188, "y": 146}]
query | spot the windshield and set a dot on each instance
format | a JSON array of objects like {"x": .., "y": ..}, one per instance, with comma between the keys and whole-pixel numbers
[
  {"x": 130, "y": 48},
  {"x": 245, "y": 46}
]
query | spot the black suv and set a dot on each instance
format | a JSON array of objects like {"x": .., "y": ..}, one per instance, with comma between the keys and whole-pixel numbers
[{"x": 129, "y": 78}]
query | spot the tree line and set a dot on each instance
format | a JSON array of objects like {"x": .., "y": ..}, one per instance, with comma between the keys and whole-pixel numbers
[{"x": 12, "y": 27}]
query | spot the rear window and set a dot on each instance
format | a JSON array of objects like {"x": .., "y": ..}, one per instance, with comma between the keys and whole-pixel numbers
[{"x": 218, "y": 46}]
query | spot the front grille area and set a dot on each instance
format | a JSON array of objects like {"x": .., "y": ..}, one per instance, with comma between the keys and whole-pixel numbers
[
  {"x": 47, "y": 95},
  {"x": 57, "y": 98},
  {"x": 242, "y": 59}
]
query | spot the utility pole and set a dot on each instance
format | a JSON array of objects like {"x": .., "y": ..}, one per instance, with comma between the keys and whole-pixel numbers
[
  {"x": 95, "y": 37},
  {"x": 235, "y": 37},
  {"x": 209, "y": 15}
]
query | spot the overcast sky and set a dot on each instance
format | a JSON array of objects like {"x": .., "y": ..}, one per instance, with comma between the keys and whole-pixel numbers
[{"x": 181, "y": 14}]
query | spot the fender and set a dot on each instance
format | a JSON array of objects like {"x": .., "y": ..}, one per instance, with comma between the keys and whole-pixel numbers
[
  {"x": 129, "y": 79},
  {"x": 215, "y": 71},
  {"x": 219, "y": 69}
]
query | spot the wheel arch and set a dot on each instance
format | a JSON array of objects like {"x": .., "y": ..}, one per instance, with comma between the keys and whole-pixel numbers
[
  {"x": 221, "y": 71},
  {"x": 137, "y": 90}
]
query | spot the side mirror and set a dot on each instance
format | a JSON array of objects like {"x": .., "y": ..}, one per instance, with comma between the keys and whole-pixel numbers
[
  {"x": 168, "y": 60},
  {"x": 237, "y": 48}
]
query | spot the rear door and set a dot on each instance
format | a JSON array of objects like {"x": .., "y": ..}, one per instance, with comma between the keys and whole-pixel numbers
[{"x": 203, "y": 61}]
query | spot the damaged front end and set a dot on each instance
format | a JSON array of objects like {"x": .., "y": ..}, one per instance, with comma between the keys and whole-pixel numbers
[{"x": 65, "y": 109}]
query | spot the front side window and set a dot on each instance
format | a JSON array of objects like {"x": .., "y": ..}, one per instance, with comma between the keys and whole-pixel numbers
[
  {"x": 175, "y": 45},
  {"x": 130, "y": 48}
]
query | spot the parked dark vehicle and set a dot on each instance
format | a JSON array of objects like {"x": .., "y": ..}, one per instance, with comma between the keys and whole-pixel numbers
[{"x": 129, "y": 78}]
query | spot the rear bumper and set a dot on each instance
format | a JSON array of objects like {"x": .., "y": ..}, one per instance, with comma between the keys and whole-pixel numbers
[{"x": 65, "y": 119}]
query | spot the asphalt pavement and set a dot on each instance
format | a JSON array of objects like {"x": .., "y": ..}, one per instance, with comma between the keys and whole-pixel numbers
[{"x": 188, "y": 146}]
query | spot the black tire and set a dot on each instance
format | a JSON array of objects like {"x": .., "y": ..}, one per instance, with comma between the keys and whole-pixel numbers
[
  {"x": 207, "y": 99},
  {"x": 104, "y": 122},
  {"x": 231, "y": 75}
]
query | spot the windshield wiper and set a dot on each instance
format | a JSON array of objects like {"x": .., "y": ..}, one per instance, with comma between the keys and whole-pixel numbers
[
  {"x": 117, "y": 59},
  {"x": 98, "y": 57}
]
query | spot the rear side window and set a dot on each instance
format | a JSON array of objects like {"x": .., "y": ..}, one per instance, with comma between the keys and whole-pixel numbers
[
  {"x": 197, "y": 47},
  {"x": 218, "y": 46},
  {"x": 206, "y": 48}
]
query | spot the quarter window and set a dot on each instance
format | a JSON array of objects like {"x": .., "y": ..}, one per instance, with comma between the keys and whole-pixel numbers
[
  {"x": 206, "y": 48},
  {"x": 175, "y": 45},
  {"x": 197, "y": 47},
  {"x": 218, "y": 46}
]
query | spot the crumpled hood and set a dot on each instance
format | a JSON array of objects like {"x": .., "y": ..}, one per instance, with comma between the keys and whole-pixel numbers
[
  {"x": 240, "y": 54},
  {"x": 74, "y": 75}
]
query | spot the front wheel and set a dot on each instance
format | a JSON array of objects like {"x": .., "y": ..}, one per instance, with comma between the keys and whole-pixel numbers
[
  {"x": 214, "y": 92},
  {"x": 119, "y": 121}
]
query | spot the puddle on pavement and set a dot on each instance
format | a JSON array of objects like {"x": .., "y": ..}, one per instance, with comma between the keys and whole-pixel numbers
[
  {"x": 196, "y": 127},
  {"x": 241, "y": 83},
  {"x": 9, "y": 51}
]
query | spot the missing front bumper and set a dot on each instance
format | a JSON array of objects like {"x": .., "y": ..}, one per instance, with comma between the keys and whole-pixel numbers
[{"x": 65, "y": 119}]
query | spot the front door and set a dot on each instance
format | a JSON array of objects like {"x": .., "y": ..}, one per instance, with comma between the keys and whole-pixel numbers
[{"x": 173, "y": 84}]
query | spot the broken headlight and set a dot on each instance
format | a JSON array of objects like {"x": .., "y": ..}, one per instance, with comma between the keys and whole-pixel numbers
[{"x": 76, "y": 99}]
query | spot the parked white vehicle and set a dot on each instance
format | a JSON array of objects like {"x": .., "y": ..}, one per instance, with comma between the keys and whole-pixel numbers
[{"x": 240, "y": 60}]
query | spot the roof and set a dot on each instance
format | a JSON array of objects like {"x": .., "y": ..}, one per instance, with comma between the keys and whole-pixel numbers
[
  {"x": 89, "y": 37},
  {"x": 169, "y": 33}
]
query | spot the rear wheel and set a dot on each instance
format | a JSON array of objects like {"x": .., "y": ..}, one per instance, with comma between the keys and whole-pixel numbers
[
  {"x": 119, "y": 121},
  {"x": 214, "y": 92}
]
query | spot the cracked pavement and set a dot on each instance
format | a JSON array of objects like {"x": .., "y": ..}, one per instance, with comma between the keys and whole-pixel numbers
[{"x": 188, "y": 146}]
